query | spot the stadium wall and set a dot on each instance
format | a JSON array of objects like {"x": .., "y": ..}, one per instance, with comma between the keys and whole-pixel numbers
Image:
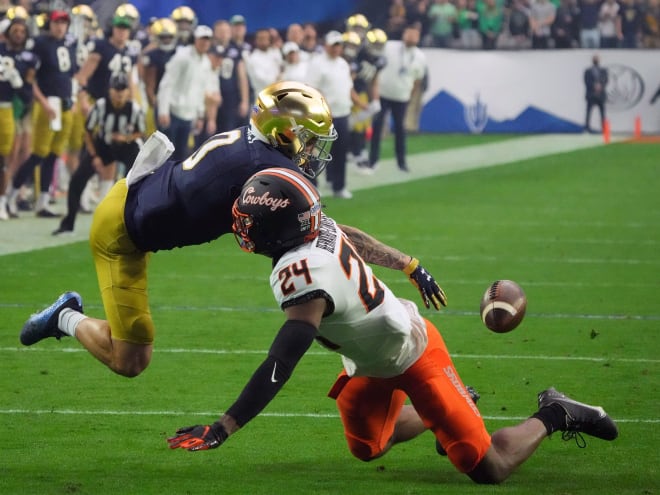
[
  {"x": 540, "y": 91},
  {"x": 258, "y": 13}
]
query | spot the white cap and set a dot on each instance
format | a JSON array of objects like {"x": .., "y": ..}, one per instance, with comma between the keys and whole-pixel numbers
[
  {"x": 203, "y": 31},
  {"x": 333, "y": 37},
  {"x": 290, "y": 46}
]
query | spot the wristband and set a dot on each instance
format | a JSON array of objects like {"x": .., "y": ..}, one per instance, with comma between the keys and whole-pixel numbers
[{"x": 412, "y": 266}]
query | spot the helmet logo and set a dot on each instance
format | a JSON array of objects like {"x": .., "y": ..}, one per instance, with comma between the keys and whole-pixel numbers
[{"x": 249, "y": 198}]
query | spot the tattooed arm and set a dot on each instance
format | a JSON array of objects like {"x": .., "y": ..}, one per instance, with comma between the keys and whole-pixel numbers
[{"x": 375, "y": 252}]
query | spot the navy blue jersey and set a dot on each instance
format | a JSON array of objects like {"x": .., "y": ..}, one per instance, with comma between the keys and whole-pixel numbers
[
  {"x": 366, "y": 68},
  {"x": 25, "y": 61},
  {"x": 113, "y": 61},
  {"x": 229, "y": 86},
  {"x": 189, "y": 202},
  {"x": 157, "y": 58},
  {"x": 57, "y": 65},
  {"x": 7, "y": 64}
]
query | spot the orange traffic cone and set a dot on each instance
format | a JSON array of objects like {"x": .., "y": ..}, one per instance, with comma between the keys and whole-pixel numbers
[
  {"x": 606, "y": 131},
  {"x": 638, "y": 127}
]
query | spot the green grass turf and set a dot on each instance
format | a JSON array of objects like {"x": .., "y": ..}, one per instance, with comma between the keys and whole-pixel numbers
[{"x": 579, "y": 231}]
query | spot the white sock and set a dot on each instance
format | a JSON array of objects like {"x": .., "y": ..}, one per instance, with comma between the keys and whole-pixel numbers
[
  {"x": 68, "y": 321},
  {"x": 42, "y": 202},
  {"x": 3, "y": 201},
  {"x": 104, "y": 188}
]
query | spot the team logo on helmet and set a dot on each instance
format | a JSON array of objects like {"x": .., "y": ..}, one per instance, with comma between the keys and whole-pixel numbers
[{"x": 277, "y": 209}]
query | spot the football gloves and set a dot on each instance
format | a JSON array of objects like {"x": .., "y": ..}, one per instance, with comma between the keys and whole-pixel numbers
[
  {"x": 426, "y": 285},
  {"x": 199, "y": 437}
]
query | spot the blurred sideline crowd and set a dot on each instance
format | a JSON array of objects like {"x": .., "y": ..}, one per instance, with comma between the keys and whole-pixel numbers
[
  {"x": 91, "y": 91},
  {"x": 522, "y": 24}
]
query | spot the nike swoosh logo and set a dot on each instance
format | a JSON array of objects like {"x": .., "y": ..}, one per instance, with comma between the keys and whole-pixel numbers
[{"x": 272, "y": 377}]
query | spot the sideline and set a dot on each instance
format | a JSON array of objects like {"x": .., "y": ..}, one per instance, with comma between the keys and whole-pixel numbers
[{"x": 29, "y": 233}]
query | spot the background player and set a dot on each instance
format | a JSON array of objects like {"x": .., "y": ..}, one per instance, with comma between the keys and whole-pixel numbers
[{"x": 52, "y": 116}]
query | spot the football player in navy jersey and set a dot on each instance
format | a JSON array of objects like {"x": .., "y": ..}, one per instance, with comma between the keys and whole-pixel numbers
[
  {"x": 167, "y": 204},
  {"x": 106, "y": 57},
  {"x": 186, "y": 22},
  {"x": 368, "y": 63},
  {"x": 83, "y": 20},
  {"x": 154, "y": 60},
  {"x": 52, "y": 116},
  {"x": 113, "y": 132},
  {"x": 11, "y": 81},
  {"x": 234, "y": 84}
]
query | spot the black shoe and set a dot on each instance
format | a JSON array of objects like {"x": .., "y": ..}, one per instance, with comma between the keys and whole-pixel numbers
[
  {"x": 62, "y": 230},
  {"x": 46, "y": 213},
  {"x": 404, "y": 168},
  {"x": 580, "y": 418},
  {"x": 44, "y": 324},
  {"x": 474, "y": 395}
]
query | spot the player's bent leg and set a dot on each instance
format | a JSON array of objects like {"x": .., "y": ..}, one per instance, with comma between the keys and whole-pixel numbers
[
  {"x": 124, "y": 358},
  {"x": 510, "y": 447},
  {"x": 121, "y": 269},
  {"x": 369, "y": 410}
]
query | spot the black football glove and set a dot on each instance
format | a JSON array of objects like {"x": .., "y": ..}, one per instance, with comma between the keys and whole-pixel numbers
[
  {"x": 199, "y": 437},
  {"x": 426, "y": 285}
]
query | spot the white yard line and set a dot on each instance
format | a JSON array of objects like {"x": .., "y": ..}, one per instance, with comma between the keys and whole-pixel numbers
[{"x": 29, "y": 233}]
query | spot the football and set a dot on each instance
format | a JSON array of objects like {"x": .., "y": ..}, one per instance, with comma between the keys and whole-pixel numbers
[{"x": 503, "y": 306}]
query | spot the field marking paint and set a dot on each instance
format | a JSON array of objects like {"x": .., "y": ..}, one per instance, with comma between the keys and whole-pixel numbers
[
  {"x": 78, "y": 412},
  {"x": 452, "y": 312},
  {"x": 331, "y": 354}
]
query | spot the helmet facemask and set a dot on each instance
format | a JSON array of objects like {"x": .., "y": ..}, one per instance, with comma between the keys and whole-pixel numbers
[{"x": 308, "y": 150}]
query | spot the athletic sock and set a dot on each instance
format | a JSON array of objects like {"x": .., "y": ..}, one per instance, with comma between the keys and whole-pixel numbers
[
  {"x": 43, "y": 201},
  {"x": 68, "y": 321},
  {"x": 553, "y": 417},
  {"x": 104, "y": 188}
]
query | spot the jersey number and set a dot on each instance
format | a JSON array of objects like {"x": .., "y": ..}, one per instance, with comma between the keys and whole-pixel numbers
[
  {"x": 370, "y": 292},
  {"x": 209, "y": 145}
]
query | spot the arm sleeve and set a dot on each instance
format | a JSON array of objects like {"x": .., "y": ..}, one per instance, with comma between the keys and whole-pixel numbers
[{"x": 291, "y": 342}]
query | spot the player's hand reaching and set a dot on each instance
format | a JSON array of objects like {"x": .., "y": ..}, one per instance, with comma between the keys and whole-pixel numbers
[
  {"x": 199, "y": 437},
  {"x": 426, "y": 285}
]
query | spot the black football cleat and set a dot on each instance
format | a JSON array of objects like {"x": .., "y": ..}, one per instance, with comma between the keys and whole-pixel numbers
[
  {"x": 474, "y": 395},
  {"x": 580, "y": 418},
  {"x": 44, "y": 324},
  {"x": 46, "y": 213}
]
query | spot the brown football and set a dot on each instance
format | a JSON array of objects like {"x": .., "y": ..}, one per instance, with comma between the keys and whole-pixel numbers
[{"x": 503, "y": 306}]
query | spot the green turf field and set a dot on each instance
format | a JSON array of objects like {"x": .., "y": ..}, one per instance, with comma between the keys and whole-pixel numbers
[{"x": 579, "y": 231}]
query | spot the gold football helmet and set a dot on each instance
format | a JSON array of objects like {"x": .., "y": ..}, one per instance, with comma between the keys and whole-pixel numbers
[
  {"x": 17, "y": 12},
  {"x": 84, "y": 11},
  {"x": 357, "y": 21},
  {"x": 183, "y": 13},
  {"x": 296, "y": 119},
  {"x": 128, "y": 10},
  {"x": 376, "y": 39},
  {"x": 163, "y": 27}
]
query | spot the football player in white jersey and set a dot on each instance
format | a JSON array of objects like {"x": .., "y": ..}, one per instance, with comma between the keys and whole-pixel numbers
[{"x": 390, "y": 353}]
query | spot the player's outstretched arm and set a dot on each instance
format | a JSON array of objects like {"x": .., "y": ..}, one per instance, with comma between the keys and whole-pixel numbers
[
  {"x": 375, "y": 252},
  {"x": 290, "y": 344}
]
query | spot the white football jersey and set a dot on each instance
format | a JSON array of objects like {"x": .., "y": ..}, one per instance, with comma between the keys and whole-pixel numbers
[{"x": 376, "y": 333}]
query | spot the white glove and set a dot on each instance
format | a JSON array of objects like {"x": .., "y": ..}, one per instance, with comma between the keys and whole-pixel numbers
[{"x": 14, "y": 78}]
